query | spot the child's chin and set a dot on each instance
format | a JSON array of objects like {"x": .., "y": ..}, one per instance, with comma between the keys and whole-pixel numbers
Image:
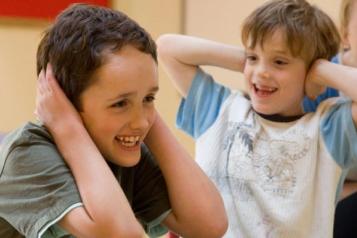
[
  {"x": 126, "y": 161},
  {"x": 263, "y": 110}
]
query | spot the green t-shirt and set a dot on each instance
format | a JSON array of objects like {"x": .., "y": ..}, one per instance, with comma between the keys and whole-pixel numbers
[{"x": 37, "y": 188}]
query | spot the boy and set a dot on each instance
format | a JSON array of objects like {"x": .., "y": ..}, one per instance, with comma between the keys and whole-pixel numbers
[
  {"x": 279, "y": 170},
  {"x": 106, "y": 65}
]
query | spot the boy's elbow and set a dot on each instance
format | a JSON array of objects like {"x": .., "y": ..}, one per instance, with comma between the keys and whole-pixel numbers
[
  {"x": 219, "y": 228},
  {"x": 115, "y": 231},
  {"x": 164, "y": 44},
  {"x": 132, "y": 231},
  {"x": 214, "y": 227},
  {"x": 215, "y": 231}
]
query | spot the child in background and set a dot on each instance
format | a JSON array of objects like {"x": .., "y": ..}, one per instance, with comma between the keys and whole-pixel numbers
[
  {"x": 348, "y": 56},
  {"x": 277, "y": 168},
  {"x": 88, "y": 172},
  {"x": 346, "y": 210}
]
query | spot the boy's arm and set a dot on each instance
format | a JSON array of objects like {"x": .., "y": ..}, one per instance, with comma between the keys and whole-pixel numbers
[
  {"x": 197, "y": 208},
  {"x": 106, "y": 211},
  {"x": 349, "y": 188},
  {"x": 181, "y": 55},
  {"x": 343, "y": 78}
]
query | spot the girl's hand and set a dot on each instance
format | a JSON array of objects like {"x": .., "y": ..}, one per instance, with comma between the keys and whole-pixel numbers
[
  {"x": 52, "y": 106},
  {"x": 313, "y": 86}
]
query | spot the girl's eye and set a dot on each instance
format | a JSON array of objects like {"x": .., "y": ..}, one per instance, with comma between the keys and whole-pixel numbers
[
  {"x": 149, "y": 98},
  {"x": 120, "y": 104}
]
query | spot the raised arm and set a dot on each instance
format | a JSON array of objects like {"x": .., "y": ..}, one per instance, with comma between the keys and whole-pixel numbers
[
  {"x": 181, "y": 55},
  {"x": 340, "y": 77},
  {"x": 106, "y": 211},
  {"x": 197, "y": 208}
]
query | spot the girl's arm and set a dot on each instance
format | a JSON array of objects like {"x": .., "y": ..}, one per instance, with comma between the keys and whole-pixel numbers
[
  {"x": 181, "y": 55},
  {"x": 197, "y": 208},
  {"x": 106, "y": 211},
  {"x": 343, "y": 78}
]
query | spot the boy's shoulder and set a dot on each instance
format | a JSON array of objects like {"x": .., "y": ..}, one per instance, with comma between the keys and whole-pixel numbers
[
  {"x": 26, "y": 137},
  {"x": 331, "y": 104}
]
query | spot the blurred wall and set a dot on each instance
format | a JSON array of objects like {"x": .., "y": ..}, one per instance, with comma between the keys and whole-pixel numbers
[
  {"x": 18, "y": 44},
  {"x": 214, "y": 19}
]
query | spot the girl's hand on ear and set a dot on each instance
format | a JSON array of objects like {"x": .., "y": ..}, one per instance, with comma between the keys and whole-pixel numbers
[
  {"x": 52, "y": 106},
  {"x": 313, "y": 86}
]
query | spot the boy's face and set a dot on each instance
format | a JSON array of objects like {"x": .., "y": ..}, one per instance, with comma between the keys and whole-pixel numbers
[
  {"x": 118, "y": 108},
  {"x": 275, "y": 79}
]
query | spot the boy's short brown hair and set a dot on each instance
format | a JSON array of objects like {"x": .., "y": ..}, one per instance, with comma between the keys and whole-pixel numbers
[
  {"x": 80, "y": 38},
  {"x": 309, "y": 32}
]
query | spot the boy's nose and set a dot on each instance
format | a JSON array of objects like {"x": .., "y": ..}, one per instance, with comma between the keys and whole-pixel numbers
[
  {"x": 139, "y": 121},
  {"x": 263, "y": 71}
]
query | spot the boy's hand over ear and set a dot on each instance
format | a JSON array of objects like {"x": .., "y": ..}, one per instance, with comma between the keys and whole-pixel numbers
[
  {"x": 52, "y": 106},
  {"x": 313, "y": 86}
]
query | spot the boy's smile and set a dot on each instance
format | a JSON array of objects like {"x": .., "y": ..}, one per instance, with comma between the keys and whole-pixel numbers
[
  {"x": 275, "y": 78},
  {"x": 118, "y": 108}
]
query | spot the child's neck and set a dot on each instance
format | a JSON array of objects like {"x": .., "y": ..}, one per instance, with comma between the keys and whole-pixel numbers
[{"x": 280, "y": 118}]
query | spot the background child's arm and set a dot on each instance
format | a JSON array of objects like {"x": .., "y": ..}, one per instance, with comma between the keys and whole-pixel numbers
[
  {"x": 343, "y": 78},
  {"x": 350, "y": 187},
  {"x": 197, "y": 208},
  {"x": 181, "y": 55},
  {"x": 106, "y": 211}
]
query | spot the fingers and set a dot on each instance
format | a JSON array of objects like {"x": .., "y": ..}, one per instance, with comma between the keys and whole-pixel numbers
[
  {"x": 43, "y": 91},
  {"x": 51, "y": 81},
  {"x": 40, "y": 82}
]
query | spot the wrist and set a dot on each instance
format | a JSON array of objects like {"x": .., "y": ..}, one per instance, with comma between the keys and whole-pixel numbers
[
  {"x": 67, "y": 130},
  {"x": 322, "y": 72}
]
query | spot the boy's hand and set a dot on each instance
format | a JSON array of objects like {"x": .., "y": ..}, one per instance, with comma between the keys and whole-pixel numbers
[
  {"x": 313, "y": 87},
  {"x": 52, "y": 106}
]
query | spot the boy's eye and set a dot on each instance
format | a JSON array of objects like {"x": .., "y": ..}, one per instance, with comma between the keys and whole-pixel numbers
[
  {"x": 120, "y": 104},
  {"x": 280, "y": 62},
  {"x": 149, "y": 98}
]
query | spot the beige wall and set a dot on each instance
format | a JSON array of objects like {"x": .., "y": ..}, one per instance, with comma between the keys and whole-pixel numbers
[
  {"x": 214, "y": 19},
  {"x": 18, "y": 42}
]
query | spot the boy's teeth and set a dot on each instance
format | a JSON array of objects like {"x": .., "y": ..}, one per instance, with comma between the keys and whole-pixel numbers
[
  {"x": 264, "y": 88},
  {"x": 131, "y": 139},
  {"x": 128, "y": 141}
]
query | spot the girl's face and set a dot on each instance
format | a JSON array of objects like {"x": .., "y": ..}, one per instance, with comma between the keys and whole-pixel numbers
[
  {"x": 350, "y": 38},
  {"x": 118, "y": 108}
]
